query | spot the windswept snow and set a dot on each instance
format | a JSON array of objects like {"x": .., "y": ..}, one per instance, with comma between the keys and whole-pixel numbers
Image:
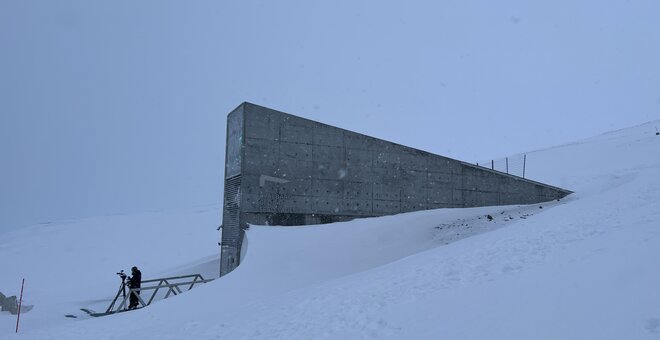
[{"x": 584, "y": 267}]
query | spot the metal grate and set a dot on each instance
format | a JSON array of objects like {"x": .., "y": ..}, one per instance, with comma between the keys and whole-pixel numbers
[{"x": 231, "y": 213}]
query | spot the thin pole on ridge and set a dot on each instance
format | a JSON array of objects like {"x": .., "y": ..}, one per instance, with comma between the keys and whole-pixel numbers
[{"x": 20, "y": 302}]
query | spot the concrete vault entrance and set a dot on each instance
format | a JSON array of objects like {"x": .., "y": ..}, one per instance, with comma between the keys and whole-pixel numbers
[{"x": 281, "y": 169}]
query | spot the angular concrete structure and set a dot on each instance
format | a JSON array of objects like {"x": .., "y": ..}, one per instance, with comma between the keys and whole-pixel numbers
[{"x": 286, "y": 170}]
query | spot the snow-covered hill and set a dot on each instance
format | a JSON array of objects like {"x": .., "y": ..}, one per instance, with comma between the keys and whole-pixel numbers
[{"x": 581, "y": 268}]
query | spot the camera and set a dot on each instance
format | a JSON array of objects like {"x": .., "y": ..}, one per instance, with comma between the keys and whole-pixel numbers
[{"x": 121, "y": 274}]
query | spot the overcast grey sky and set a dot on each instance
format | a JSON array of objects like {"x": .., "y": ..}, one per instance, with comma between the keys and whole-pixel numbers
[{"x": 119, "y": 106}]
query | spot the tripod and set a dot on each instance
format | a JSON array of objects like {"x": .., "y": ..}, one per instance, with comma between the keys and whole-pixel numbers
[{"x": 122, "y": 290}]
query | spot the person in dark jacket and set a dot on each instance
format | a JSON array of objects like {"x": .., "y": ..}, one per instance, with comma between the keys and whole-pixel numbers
[{"x": 134, "y": 282}]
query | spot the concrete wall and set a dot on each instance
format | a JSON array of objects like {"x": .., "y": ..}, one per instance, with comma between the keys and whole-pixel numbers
[{"x": 294, "y": 171}]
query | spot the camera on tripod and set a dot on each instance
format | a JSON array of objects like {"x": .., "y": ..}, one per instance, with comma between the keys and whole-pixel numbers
[{"x": 122, "y": 275}]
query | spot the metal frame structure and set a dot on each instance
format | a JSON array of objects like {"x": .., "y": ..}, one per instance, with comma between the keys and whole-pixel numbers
[{"x": 169, "y": 283}]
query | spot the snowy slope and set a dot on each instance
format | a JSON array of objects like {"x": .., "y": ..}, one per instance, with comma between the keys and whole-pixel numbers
[{"x": 582, "y": 268}]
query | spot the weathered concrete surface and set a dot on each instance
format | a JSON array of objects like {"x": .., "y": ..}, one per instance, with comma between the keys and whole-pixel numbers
[{"x": 286, "y": 170}]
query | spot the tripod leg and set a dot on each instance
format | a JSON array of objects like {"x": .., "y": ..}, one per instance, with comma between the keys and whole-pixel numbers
[{"x": 112, "y": 305}]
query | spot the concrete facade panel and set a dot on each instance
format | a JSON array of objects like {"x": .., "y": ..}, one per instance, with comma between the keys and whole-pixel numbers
[
  {"x": 414, "y": 161},
  {"x": 341, "y": 206},
  {"x": 327, "y": 188},
  {"x": 413, "y": 205},
  {"x": 386, "y": 207},
  {"x": 442, "y": 164},
  {"x": 233, "y": 155},
  {"x": 411, "y": 192},
  {"x": 512, "y": 198},
  {"x": 327, "y": 135},
  {"x": 358, "y": 173},
  {"x": 385, "y": 175},
  {"x": 328, "y": 170},
  {"x": 260, "y": 155},
  {"x": 357, "y": 141},
  {"x": 358, "y": 190},
  {"x": 294, "y": 204},
  {"x": 439, "y": 179},
  {"x": 291, "y": 168},
  {"x": 253, "y": 186},
  {"x": 418, "y": 178},
  {"x": 328, "y": 154},
  {"x": 263, "y": 124},
  {"x": 260, "y": 203},
  {"x": 440, "y": 196},
  {"x": 386, "y": 191},
  {"x": 387, "y": 160},
  {"x": 297, "y": 130},
  {"x": 358, "y": 156},
  {"x": 457, "y": 198},
  {"x": 294, "y": 187},
  {"x": 297, "y": 151}
]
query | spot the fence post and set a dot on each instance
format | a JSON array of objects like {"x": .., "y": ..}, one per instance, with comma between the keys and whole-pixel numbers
[
  {"x": 20, "y": 302},
  {"x": 492, "y": 164},
  {"x": 524, "y": 164},
  {"x": 507, "y": 165}
]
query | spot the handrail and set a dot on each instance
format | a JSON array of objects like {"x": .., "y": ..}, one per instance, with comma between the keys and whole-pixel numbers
[
  {"x": 173, "y": 288},
  {"x": 171, "y": 278}
]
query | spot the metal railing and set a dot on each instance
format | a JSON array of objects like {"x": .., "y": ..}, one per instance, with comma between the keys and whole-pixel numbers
[
  {"x": 514, "y": 165},
  {"x": 173, "y": 285}
]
